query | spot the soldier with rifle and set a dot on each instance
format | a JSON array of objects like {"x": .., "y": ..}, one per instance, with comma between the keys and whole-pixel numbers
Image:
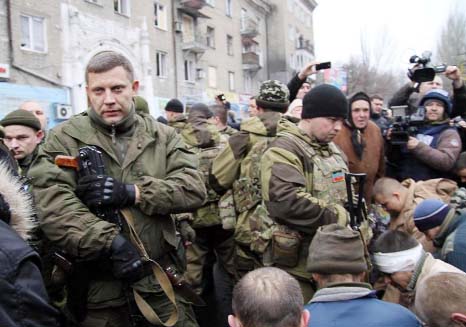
[{"x": 111, "y": 218}]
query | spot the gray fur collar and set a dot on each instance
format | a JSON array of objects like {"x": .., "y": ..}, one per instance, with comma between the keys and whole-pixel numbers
[{"x": 20, "y": 202}]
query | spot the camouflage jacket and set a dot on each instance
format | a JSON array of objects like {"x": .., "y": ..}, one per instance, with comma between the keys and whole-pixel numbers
[
  {"x": 178, "y": 123},
  {"x": 156, "y": 161},
  {"x": 302, "y": 180},
  {"x": 228, "y": 166}
]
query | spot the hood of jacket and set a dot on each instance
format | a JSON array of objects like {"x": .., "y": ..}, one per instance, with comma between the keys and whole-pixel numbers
[
  {"x": 264, "y": 124},
  {"x": 199, "y": 132},
  {"x": 19, "y": 201}
]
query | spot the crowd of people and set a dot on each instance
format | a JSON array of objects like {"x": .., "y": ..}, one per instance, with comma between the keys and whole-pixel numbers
[{"x": 320, "y": 209}]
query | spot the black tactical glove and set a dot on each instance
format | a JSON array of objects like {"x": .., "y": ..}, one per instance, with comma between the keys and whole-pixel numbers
[
  {"x": 126, "y": 261},
  {"x": 188, "y": 234},
  {"x": 100, "y": 190},
  {"x": 5, "y": 213}
]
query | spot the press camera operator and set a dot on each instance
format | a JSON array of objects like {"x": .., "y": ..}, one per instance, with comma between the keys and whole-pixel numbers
[
  {"x": 431, "y": 146},
  {"x": 414, "y": 90}
]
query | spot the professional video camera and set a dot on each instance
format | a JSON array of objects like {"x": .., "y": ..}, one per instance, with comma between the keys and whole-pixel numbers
[
  {"x": 404, "y": 125},
  {"x": 426, "y": 72}
]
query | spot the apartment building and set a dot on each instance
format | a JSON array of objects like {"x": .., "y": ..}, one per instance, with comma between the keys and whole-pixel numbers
[{"x": 190, "y": 49}]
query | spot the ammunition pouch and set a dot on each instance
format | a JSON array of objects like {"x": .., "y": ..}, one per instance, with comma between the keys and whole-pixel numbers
[
  {"x": 261, "y": 226},
  {"x": 246, "y": 193},
  {"x": 286, "y": 244},
  {"x": 226, "y": 211}
]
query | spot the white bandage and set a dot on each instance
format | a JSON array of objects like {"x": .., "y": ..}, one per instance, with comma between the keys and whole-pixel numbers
[{"x": 406, "y": 260}]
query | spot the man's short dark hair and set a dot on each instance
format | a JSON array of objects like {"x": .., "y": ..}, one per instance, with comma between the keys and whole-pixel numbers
[
  {"x": 394, "y": 241},
  {"x": 220, "y": 112},
  {"x": 376, "y": 97},
  {"x": 107, "y": 60},
  {"x": 268, "y": 297}
]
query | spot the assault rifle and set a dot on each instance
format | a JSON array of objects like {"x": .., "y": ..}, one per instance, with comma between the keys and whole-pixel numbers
[
  {"x": 357, "y": 211},
  {"x": 90, "y": 162}
]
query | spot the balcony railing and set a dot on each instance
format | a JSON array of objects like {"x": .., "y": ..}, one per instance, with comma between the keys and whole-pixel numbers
[
  {"x": 251, "y": 61},
  {"x": 192, "y": 7},
  {"x": 197, "y": 43},
  {"x": 249, "y": 27},
  {"x": 305, "y": 45}
]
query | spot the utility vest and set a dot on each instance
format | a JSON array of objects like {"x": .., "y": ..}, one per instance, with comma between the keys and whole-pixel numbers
[
  {"x": 247, "y": 190},
  {"x": 207, "y": 215},
  {"x": 283, "y": 246}
]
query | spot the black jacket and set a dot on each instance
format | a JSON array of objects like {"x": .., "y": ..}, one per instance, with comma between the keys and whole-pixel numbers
[{"x": 24, "y": 301}]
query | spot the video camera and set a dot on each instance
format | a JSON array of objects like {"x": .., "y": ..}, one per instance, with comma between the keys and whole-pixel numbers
[
  {"x": 404, "y": 125},
  {"x": 427, "y": 72}
]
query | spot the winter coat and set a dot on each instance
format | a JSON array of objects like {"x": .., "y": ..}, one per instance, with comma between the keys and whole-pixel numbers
[
  {"x": 24, "y": 298},
  {"x": 156, "y": 161},
  {"x": 372, "y": 162},
  {"x": 294, "y": 85},
  {"x": 433, "y": 157},
  {"x": 356, "y": 305},
  {"x": 451, "y": 240},
  {"x": 440, "y": 188}
]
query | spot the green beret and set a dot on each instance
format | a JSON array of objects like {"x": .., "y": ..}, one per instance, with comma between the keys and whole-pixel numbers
[
  {"x": 141, "y": 105},
  {"x": 21, "y": 117}
]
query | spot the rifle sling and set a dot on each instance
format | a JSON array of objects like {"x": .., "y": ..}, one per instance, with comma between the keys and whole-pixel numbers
[{"x": 159, "y": 275}]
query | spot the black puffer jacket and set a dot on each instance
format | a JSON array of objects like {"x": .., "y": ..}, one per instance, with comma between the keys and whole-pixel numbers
[{"x": 24, "y": 301}]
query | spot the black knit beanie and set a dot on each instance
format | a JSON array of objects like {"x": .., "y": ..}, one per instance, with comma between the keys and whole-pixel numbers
[
  {"x": 355, "y": 97},
  {"x": 324, "y": 101},
  {"x": 174, "y": 105},
  {"x": 336, "y": 250},
  {"x": 202, "y": 109}
]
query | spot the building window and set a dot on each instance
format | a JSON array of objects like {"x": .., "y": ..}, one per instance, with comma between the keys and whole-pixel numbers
[
  {"x": 212, "y": 72},
  {"x": 231, "y": 81},
  {"x": 243, "y": 17},
  {"x": 228, "y": 10},
  {"x": 33, "y": 33},
  {"x": 211, "y": 2},
  {"x": 160, "y": 16},
  {"x": 122, "y": 7},
  {"x": 161, "y": 64},
  {"x": 230, "y": 45},
  {"x": 188, "y": 70},
  {"x": 210, "y": 37}
]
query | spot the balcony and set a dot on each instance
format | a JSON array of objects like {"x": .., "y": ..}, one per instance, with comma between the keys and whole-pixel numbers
[
  {"x": 195, "y": 44},
  {"x": 192, "y": 7},
  {"x": 249, "y": 27},
  {"x": 305, "y": 45},
  {"x": 251, "y": 61}
]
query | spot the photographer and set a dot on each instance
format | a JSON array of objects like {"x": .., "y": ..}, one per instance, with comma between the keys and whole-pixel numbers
[
  {"x": 436, "y": 147},
  {"x": 410, "y": 93}
]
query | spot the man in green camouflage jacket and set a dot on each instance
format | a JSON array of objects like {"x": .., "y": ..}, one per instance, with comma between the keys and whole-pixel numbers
[
  {"x": 237, "y": 166},
  {"x": 151, "y": 174},
  {"x": 303, "y": 181}
]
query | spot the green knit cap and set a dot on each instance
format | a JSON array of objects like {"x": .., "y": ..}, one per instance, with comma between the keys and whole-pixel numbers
[
  {"x": 21, "y": 117},
  {"x": 336, "y": 250}
]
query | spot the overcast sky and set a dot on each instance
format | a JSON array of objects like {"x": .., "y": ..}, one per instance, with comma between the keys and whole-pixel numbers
[{"x": 412, "y": 26}]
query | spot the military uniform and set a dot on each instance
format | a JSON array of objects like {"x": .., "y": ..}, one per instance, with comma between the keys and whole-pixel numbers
[
  {"x": 303, "y": 187},
  {"x": 237, "y": 167},
  {"x": 137, "y": 150}
]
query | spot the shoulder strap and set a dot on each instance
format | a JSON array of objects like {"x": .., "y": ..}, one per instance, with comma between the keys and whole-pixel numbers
[{"x": 159, "y": 275}]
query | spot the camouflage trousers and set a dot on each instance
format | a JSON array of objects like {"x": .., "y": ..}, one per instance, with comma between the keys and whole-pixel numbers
[
  {"x": 119, "y": 316},
  {"x": 210, "y": 241}
]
